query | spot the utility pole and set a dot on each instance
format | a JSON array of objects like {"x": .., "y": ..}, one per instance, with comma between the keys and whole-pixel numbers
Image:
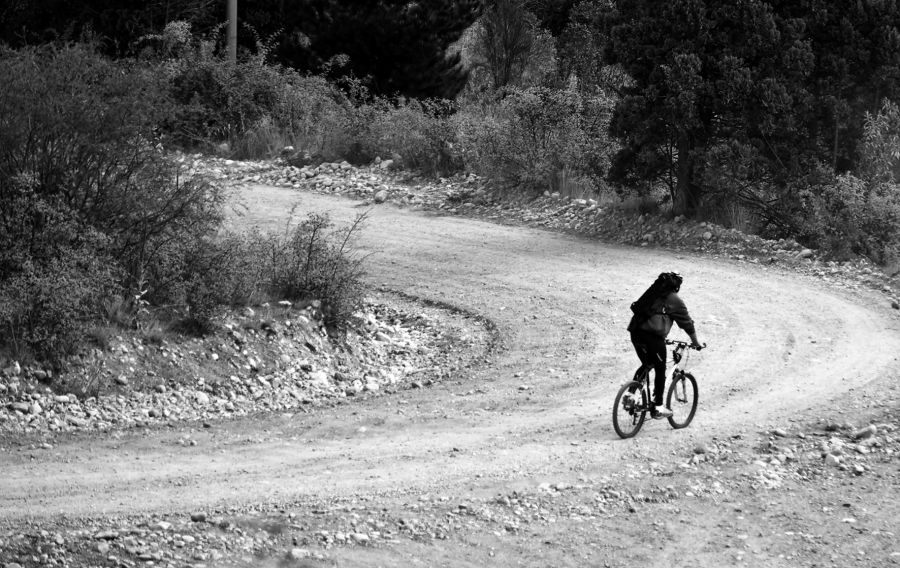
[{"x": 232, "y": 31}]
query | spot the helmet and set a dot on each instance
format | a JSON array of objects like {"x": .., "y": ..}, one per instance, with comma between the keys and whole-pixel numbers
[{"x": 670, "y": 281}]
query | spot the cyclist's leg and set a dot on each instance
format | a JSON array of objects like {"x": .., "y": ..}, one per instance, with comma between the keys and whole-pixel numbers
[
  {"x": 638, "y": 339},
  {"x": 651, "y": 349}
]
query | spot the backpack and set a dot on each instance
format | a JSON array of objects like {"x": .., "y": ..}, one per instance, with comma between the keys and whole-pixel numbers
[
  {"x": 665, "y": 283},
  {"x": 643, "y": 306}
]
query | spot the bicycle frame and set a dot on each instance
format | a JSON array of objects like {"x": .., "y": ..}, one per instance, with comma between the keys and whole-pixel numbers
[
  {"x": 680, "y": 356},
  {"x": 679, "y": 361},
  {"x": 633, "y": 401}
]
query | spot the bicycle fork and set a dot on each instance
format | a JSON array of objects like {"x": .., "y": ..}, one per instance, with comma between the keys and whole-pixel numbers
[{"x": 680, "y": 387}]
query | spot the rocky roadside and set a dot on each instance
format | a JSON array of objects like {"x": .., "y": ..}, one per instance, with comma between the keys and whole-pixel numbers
[{"x": 263, "y": 359}]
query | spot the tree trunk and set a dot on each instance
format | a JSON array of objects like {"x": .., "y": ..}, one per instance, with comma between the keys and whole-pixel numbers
[
  {"x": 232, "y": 31},
  {"x": 686, "y": 192}
]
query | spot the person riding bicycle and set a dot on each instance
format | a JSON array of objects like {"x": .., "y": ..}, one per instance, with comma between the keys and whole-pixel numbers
[{"x": 654, "y": 314}]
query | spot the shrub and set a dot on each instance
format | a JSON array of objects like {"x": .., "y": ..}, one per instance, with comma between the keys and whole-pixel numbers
[
  {"x": 880, "y": 148},
  {"x": 421, "y": 133},
  {"x": 537, "y": 133},
  {"x": 255, "y": 107},
  {"x": 312, "y": 262},
  {"x": 89, "y": 201},
  {"x": 218, "y": 100},
  {"x": 315, "y": 262},
  {"x": 315, "y": 115},
  {"x": 843, "y": 215},
  {"x": 54, "y": 271},
  {"x": 223, "y": 271},
  {"x": 83, "y": 129},
  {"x": 848, "y": 215}
]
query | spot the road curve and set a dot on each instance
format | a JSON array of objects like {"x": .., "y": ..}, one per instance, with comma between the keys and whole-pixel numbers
[{"x": 780, "y": 344}]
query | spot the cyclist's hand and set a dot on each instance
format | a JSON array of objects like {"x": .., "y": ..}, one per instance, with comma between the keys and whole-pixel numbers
[{"x": 696, "y": 345}]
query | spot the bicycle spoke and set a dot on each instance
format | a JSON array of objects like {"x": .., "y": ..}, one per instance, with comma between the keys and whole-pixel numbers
[
  {"x": 682, "y": 400},
  {"x": 629, "y": 409}
]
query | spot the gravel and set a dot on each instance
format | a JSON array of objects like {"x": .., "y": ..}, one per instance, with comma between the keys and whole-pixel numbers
[{"x": 283, "y": 362}]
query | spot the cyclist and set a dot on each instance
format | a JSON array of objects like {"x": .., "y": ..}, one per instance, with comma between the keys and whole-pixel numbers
[{"x": 649, "y": 328}]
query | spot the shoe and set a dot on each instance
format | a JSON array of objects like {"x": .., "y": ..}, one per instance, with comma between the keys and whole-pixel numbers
[{"x": 659, "y": 412}]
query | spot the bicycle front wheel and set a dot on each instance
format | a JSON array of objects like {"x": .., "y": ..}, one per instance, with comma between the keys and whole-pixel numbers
[
  {"x": 682, "y": 400},
  {"x": 629, "y": 409}
]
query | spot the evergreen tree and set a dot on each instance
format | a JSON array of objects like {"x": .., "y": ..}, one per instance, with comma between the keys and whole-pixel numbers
[
  {"x": 582, "y": 45},
  {"x": 857, "y": 65},
  {"x": 552, "y": 15},
  {"x": 754, "y": 91}
]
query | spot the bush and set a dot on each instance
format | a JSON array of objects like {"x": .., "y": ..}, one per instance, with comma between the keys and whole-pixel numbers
[
  {"x": 535, "y": 134},
  {"x": 54, "y": 272},
  {"x": 254, "y": 107},
  {"x": 880, "y": 148},
  {"x": 316, "y": 116},
  {"x": 312, "y": 262},
  {"x": 225, "y": 271},
  {"x": 218, "y": 100},
  {"x": 315, "y": 262},
  {"x": 419, "y": 132},
  {"x": 851, "y": 216},
  {"x": 83, "y": 129},
  {"x": 89, "y": 200}
]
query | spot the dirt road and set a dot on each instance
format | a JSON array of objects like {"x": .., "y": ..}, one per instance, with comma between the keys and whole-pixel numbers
[{"x": 780, "y": 345}]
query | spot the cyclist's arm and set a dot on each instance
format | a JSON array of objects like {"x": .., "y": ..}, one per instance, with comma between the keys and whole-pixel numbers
[{"x": 679, "y": 313}]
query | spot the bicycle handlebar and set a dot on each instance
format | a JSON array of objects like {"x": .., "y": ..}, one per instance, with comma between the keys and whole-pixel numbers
[{"x": 685, "y": 344}]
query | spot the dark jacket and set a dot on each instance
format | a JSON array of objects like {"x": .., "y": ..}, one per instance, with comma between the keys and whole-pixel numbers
[{"x": 666, "y": 310}]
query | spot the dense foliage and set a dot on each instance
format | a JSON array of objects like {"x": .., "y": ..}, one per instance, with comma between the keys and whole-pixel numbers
[
  {"x": 747, "y": 97},
  {"x": 538, "y": 139},
  {"x": 394, "y": 46},
  {"x": 98, "y": 220}
]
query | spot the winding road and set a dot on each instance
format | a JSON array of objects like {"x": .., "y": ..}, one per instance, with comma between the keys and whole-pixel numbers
[{"x": 780, "y": 344}]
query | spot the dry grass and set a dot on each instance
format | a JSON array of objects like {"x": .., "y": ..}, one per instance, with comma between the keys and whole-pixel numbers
[
  {"x": 572, "y": 186},
  {"x": 732, "y": 216}
]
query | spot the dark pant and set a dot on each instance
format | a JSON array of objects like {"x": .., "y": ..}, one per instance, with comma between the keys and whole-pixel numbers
[{"x": 651, "y": 349}]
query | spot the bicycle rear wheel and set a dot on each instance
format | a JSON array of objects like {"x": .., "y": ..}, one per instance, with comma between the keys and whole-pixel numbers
[
  {"x": 682, "y": 400},
  {"x": 629, "y": 409}
]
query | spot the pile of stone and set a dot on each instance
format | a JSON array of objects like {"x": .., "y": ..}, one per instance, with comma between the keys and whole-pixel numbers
[
  {"x": 257, "y": 361},
  {"x": 194, "y": 541},
  {"x": 835, "y": 449}
]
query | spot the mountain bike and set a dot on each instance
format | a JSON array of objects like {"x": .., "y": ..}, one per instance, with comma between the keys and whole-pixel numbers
[{"x": 633, "y": 400}]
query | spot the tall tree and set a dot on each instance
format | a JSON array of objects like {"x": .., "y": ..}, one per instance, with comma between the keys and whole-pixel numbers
[
  {"x": 857, "y": 66},
  {"x": 504, "y": 39},
  {"x": 688, "y": 60},
  {"x": 552, "y": 15},
  {"x": 582, "y": 47},
  {"x": 758, "y": 90}
]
